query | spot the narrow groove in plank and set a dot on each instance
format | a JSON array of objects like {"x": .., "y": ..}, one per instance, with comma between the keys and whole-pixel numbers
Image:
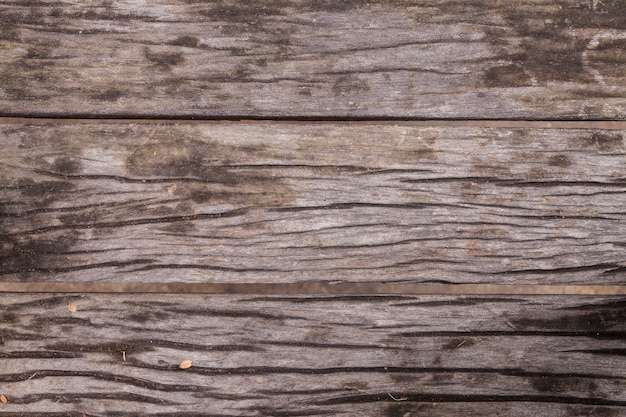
[
  {"x": 439, "y": 398},
  {"x": 498, "y": 123},
  {"x": 310, "y": 288}
]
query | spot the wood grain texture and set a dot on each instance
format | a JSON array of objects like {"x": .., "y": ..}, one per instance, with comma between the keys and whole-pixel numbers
[
  {"x": 520, "y": 59},
  {"x": 220, "y": 202},
  {"x": 292, "y": 356},
  {"x": 300, "y": 288}
]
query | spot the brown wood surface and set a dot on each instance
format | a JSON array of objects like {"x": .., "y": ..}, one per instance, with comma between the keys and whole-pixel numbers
[
  {"x": 254, "y": 202},
  {"x": 119, "y": 355},
  {"x": 517, "y": 59}
]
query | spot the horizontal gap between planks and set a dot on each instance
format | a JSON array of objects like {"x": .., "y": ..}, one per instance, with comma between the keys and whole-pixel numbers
[
  {"x": 510, "y": 123},
  {"x": 309, "y": 288}
]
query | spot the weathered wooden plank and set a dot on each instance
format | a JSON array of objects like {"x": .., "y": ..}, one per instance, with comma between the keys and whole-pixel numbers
[
  {"x": 223, "y": 202},
  {"x": 119, "y": 354},
  {"x": 320, "y": 355},
  {"x": 395, "y": 58}
]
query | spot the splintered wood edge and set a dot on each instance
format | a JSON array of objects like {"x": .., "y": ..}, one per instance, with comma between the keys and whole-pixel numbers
[{"x": 308, "y": 288}]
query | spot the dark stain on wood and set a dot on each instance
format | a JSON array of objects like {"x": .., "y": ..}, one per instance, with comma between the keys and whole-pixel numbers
[
  {"x": 549, "y": 52},
  {"x": 608, "y": 352},
  {"x": 186, "y": 41},
  {"x": 65, "y": 323},
  {"x": 549, "y": 59},
  {"x": 45, "y": 191},
  {"x": 278, "y": 33},
  {"x": 145, "y": 317},
  {"x": 110, "y": 95},
  {"x": 8, "y": 30},
  {"x": 558, "y": 384},
  {"x": 86, "y": 217},
  {"x": 235, "y": 314},
  {"x": 561, "y": 161},
  {"x": 66, "y": 165},
  {"x": 458, "y": 343},
  {"x": 601, "y": 320},
  {"x": 39, "y": 52},
  {"x": 180, "y": 158},
  {"x": 607, "y": 14},
  {"x": 507, "y": 76},
  {"x": 247, "y": 13},
  {"x": 404, "y": 410},
  {"x": 33, "y": 68},
  {"x": 182, "y": 228},
  {"x": 400, "y": 378},
  {"x": 349, "y": 84},
  {"x": 605, "y": 141},
  {"x": 164, "y": 60},
  {"x": 9, "y": 317},
  {"x": 332, "y": 6},
  {"x": 356, "y": 385},
  {"x": 606, "y": 305},
  {"x": 216, "y": 180},
  {"x": 23, "y": 255}
]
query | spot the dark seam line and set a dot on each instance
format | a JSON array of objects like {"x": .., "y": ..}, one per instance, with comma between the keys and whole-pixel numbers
[
  {"x": 310, "y": 288},
  {"x": 243, "y": 118}
]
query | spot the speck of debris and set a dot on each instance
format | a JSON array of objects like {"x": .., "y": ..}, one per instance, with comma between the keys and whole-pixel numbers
[
  {"x": 185, "y": 364},
  {"x": 72, "y": 308},
  {"x": 3, "y": 399}
]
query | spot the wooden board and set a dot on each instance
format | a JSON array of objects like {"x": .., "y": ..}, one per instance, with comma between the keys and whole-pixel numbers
[
  {"x": 519, "y": 59},
  {"x": 220, "y": 202},
  {"x": 319, "y": 355}
]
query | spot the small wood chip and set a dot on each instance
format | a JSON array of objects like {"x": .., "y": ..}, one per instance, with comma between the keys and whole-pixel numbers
[
  {"x": 185, "y": 364},
  {"x": 3, "y": 399},
  {"x": 71, "y": 308}
]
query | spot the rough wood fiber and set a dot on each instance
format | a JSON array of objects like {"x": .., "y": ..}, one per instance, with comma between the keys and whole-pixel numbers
[
  {"x": 119, "y": 355},
  {"x": 275, "y": 58},
  {"x": 222, "y": 202}
]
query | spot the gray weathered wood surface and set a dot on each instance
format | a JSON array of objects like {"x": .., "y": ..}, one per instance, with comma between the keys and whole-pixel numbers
[
  {"x": 398, "y": 58},
  {"x": 118, "y": 355},
  {"x": 322, "y": 204},
  {"x": 255, "y": 202}
]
